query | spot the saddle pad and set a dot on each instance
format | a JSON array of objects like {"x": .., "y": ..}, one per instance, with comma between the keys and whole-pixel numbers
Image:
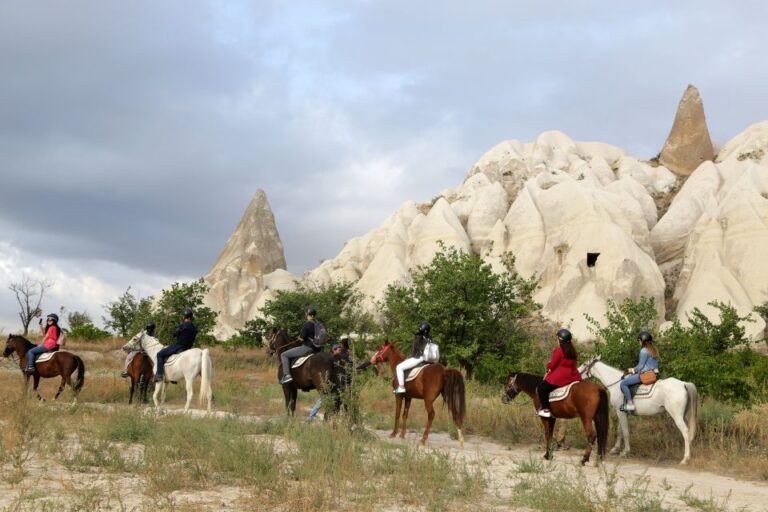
[
  {"x": 561, "y": 393},
  {"x": 300, "y": 361},
  {"x": 172, "y": 360},
  {"x": 643, "y": 390},
  {"x": 414, "y": 372},
  {"x": 45, "y": 357}
]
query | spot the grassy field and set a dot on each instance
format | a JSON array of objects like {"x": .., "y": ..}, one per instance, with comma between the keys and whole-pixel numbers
[{"x": 103, "y": 454}]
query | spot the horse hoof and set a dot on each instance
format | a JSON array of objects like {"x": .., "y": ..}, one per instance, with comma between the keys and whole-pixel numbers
[
  {"x": 423, "y": 442},
  {"x": 613, "y": 452},
  {"x": 392, "y": 435}
]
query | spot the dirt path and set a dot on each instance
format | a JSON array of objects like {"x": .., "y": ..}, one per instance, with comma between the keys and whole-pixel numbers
[{"x": 670, "y": 482}]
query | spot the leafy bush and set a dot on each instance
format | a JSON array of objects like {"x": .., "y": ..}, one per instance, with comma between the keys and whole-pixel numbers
[
  {"x": 87, "y": 332},
  {"x": 617, "y": 342},
  {"x": 128, "y": 314},
  {"x": 251, "y": 335},
  {"x": 170, "y": 307}
]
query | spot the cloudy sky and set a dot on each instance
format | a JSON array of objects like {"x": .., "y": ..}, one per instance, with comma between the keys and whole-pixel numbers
[{"x": 134, "y": 134}]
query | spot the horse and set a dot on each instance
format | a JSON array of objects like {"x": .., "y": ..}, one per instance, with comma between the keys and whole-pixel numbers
[
  {"x": 187, "y": 365},
  {"x": 61, "y": 364},
  {"x": 434, "y": 380},
  {"x": 140, "y": 372},
  {"x": 586, "y": 400},
  {"x": 678, "y": 398},
  {"x": 319, "y": 372}
]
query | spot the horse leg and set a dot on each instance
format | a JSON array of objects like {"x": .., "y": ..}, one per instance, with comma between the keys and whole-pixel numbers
[
  {"x": 622, "y": 433},
  {"x": 591, "y": 436},
  {"x": 549, "y": 427},
  {"x": 429, "y": 406},
  {"x": 61, "y": 387},
  {"x": 156, "y": 394},
  {"x": 190, "y": 392},
  {"x": 405, "y": 416},
  {"x": 294, "y": 397},
  {"x": 683, "y": 427},
  {"x": 133, "y": 387},
  {"x": 398, "y": 405},
  {"x": 36, "y": 381}
]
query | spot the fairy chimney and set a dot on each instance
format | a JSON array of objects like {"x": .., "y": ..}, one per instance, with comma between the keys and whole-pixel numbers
[{"x": 688, "y": 143}]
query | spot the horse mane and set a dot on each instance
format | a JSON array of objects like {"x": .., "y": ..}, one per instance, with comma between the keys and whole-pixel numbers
[
  {"x": 23, "y": 339},
  {"x": 528, "y": 380}
]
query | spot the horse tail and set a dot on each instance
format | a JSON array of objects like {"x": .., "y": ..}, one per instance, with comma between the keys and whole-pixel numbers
[
  {"x": 80, "y": 374},
  {"x": 453, "y": 395},
  {"x": 601, "y": 423},
  {"x": 691, "y": 409},
  {"x": 206, "y": 372}
]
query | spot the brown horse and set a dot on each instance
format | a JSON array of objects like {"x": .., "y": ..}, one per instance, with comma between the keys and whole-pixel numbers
[
  {"x": 319, "y": 372},
  {"x": 586, "y": 400},
  {"x": 62, "y": 364},
  {"x": 434, "y": 380},
  {"x": 140, "y": 372}
]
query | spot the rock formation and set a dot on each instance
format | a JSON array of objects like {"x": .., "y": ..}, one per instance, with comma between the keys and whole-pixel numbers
[
  {"x": 251, "y": 263},
  {"x": 688, "y": 144}
]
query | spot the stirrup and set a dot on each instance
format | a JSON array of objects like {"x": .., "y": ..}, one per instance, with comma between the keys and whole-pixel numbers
[
  {"x": 286, "y": 379},
  {"x": 399, "y": 390}
]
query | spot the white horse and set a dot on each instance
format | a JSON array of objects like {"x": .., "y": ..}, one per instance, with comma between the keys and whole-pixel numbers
[
  {"x": 187, "y": 365},
  {"x": 678, "y": 398}
]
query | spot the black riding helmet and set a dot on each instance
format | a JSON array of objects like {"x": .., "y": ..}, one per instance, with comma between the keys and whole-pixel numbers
[
  {"x": 54, "y": 317},
  {"x": 150, "y": 328},
  {"x": 564, "y": 334},
  {"x": 645, "y": 337},
  {"x": 188, "y": 313},
  {"x": 424, "y": 328},
  {"x": 311, "y": 312}
]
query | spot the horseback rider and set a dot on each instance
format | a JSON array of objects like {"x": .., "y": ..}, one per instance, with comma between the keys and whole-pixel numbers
[
  {"x": 649, "y": 361},
  {"x": 51, "y": 332},
  {"x": 306, "y": 348},
  {"x": 416, "y": 356},
  {"x": 149, "y": 330},
  {"x": 185, "y": 334},
  {"x": 561, "y": 370}
]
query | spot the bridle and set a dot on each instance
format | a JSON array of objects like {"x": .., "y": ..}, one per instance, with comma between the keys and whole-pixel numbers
[
  {"x": 587, "y": 372},
  {"x": 511, "y": 388},
  {"x": 379, "y": 356}
]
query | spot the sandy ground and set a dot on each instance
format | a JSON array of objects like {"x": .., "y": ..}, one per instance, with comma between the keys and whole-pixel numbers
[{"x": 498, "y": 462}]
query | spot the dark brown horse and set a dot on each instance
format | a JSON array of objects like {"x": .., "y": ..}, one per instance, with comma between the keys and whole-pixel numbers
[
  {"x": 433, "y": 381},
  {"x": 62, "y": 364},
  {"x": 319, "y": 372},
  {"x": 140, "y": 372},
  {"x": 586, "y": 400}
]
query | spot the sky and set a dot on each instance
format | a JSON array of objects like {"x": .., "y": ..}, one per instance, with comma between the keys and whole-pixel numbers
[{"x": 134, "y": 134}]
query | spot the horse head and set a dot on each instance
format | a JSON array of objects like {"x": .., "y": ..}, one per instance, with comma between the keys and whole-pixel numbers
[
  {"x": 510, "y": 389},
  {"x": 381, "y": 355},
  {"x": 135, "y": 343},
  {"x": 10, "y": 346}
]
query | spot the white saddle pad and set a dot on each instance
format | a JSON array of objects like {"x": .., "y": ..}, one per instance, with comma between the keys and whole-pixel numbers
[
  {"x": 173, "y": 359},
  {"x": 300, "y": 361},
  {"x": 644, "y": 391},
  {"x": 45, "y": 357},
  {"x": 561, "y": 393},
  {"x": 412, "y": 374}
]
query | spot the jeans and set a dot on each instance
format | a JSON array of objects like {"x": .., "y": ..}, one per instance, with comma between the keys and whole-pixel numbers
[
  {"x": 409, "y": 363},
  {"x": 544, "y": 389},
  {"x": 33, "y": 353},
  {"x": 629, "y": 381},
  {"x": 293, "y": 353},
  {"x": 165, "y": 354},
  {"x": 129, "y": 358},
  {"x": 315, "y": 409}
]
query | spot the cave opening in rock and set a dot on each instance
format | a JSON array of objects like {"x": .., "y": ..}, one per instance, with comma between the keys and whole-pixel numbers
[{"x": 592, "y": 258}]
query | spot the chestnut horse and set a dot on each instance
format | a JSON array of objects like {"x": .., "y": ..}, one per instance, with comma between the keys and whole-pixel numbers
[
  {"x": 319, "y": 372},
  {"x": 62, "y": 364},
  {"x": 586, "y": 400},
  {"x": 434, "y": 380},
  {"x": 140, "y": 371}
]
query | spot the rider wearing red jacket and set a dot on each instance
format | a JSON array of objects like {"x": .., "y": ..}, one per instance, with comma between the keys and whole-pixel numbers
[{"x": 561, "y": 370}]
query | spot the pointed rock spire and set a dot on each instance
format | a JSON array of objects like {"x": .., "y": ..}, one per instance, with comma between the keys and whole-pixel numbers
[{"x": 688, "y": 143}]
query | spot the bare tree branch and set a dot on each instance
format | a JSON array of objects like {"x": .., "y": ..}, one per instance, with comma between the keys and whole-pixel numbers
[{"x": 29, "y": 294}]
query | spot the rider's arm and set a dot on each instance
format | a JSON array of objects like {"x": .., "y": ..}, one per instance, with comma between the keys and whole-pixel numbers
[
  {"x": 643, "y": 360},
  {"x": 557, "y": 355}
]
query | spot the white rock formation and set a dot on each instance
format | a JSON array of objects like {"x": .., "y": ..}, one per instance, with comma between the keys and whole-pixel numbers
[
  {"x": 250, "y": 266},
  {"x": 688, "y": 144}
]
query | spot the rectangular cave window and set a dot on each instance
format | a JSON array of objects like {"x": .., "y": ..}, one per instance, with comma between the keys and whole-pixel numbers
[{"x": 592, "y": 258}]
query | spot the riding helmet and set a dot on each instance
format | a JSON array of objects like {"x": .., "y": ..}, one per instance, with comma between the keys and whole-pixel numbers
[
  {"x": 150, "y": 328},
  {"x": 424, "y": 328},
  {"x": 564, "y": 334},
  {"x": 311, "y": 312},
  {"x": 645, "y": 337},
  {"x": 188, "y": 313},
  {"x": 54, "y": 316}
]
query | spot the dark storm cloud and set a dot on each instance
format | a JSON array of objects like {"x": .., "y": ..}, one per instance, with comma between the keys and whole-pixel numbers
[{"x": 137, "y": 132}]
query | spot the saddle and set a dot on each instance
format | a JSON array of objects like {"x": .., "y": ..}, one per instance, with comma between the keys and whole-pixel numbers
[
  {"x": 415, "y": 371},
  {"x": 640, "y": 391},
  {"x": 561, "y": 393},
  {"x": 47, "y": 356},
  {"x": 300, "y": 361},
  {"x": 173, "y": 359}
]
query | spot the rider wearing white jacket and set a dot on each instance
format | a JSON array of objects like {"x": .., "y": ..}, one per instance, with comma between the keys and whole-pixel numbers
[{"x": 416, "y": 356}]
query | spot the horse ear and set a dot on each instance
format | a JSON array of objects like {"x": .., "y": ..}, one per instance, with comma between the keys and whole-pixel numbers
[
  {"x": 386, "y": 343},
  {"x": 598, "y": 357}
]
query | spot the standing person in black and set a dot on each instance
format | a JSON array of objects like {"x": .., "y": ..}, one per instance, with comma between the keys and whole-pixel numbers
[
  {"x": 185, "y": 335},
  {"x": 306, "y": 347}
]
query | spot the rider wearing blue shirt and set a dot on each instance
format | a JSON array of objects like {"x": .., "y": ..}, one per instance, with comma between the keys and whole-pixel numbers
[{"x": 649, "y": 361}]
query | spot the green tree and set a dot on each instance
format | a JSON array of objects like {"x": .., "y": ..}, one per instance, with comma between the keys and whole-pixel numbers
[
  {"x": 170, "y": 307},
  {"x": 617, "y": 342},
  {"x": 77, "y": 319},
  {"x": 476, "y": 314}
]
